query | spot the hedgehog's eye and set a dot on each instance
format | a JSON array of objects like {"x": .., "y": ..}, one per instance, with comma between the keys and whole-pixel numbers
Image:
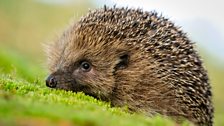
[{"x": 85, "y": 66}]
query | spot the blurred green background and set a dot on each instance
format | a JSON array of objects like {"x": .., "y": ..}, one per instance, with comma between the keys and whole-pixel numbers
[{"x": 26, "y": 24}]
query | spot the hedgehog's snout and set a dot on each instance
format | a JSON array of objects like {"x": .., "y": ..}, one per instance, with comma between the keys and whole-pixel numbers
[{"x": 51, "y": 81}]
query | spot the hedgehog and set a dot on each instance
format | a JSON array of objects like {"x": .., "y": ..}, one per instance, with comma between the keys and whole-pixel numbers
[{"x": 134, "y": 58}]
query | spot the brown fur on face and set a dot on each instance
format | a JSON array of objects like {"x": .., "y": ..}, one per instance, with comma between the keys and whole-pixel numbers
[{"x": 138, "y": 59}]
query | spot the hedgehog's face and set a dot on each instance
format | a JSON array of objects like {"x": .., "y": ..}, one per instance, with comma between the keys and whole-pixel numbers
[
  {"x": 77, "y": 76},
  {"x": 79, "y": 65}
]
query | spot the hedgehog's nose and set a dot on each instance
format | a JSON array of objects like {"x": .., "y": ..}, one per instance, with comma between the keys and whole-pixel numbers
[{"x": 51, "y": 81}]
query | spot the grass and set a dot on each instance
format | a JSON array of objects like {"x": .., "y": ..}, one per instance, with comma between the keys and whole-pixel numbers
[
  {"x": 18, "y": 66},
  {"x": 27, "y": 101}
]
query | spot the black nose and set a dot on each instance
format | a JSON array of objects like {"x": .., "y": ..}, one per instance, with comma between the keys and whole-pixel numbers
[{"x": 51, "y": 81}]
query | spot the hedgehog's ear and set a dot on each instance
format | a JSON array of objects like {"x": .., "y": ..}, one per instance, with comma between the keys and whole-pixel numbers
[{"x": 123, "y": 61}]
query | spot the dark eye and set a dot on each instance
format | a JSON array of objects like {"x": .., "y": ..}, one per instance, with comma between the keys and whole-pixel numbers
[{"x": 85, "y": 66}]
